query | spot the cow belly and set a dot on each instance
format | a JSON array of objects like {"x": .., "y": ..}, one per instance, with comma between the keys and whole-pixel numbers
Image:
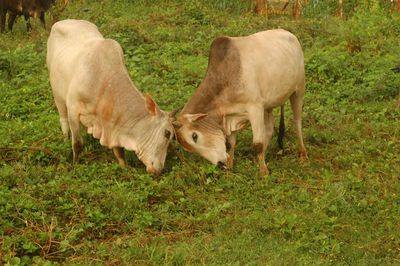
[
  {"x": 271, "y": 89},
  {"x": 273, "y": 69},
  {"x": 276, "y": 96}
]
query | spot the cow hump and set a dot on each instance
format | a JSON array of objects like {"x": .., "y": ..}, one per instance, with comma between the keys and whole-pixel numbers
[
  {"x": 219, "y": 49},
  {"x": 222, "y": 77}
]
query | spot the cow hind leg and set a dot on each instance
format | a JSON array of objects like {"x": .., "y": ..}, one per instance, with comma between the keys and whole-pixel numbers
[
  {"x": 77, "y": 140},
  {"x": 230, "y": 148},
  {"x": 296, "y": 101},
  {"x": 62, "y": 110},
  {"x": 119, "y": 153},
  {"x": 256, "y": 118}
]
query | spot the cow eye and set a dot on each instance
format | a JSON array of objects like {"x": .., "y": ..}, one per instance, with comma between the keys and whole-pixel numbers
[
  {"x": 194, "y": 137},
  {"x": 167, "y": 134}
]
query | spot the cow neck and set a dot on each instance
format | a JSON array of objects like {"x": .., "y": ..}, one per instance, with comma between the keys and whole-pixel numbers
[
  {"x": 130, "y": 109},
  {"x": 204, "y": 101},
  {"x": 211, "y": 123}
]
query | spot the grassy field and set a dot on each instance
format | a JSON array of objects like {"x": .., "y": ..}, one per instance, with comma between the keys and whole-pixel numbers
[{"x": 341, "y": 206}]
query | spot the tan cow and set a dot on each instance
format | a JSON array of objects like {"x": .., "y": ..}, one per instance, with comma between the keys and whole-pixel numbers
[
  {"x": 91, "y": 85},
  {"x": 246, "y": 78}
]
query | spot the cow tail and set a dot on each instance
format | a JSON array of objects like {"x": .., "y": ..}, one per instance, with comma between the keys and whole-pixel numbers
[{"x": 281, "y": 128}]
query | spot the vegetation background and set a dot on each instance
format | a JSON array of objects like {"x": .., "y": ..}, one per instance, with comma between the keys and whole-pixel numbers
[{"x": 342, "y": 206}]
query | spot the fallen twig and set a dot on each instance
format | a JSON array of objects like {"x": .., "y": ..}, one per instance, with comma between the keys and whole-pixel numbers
[{"x": 31, "y": 149}]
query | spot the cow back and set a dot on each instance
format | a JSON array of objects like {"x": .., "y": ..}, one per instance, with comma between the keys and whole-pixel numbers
[{"x": 272, "y": 67}]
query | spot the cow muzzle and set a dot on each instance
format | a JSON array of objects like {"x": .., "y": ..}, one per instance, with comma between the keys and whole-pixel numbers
[{"x": 153, "y": 171}]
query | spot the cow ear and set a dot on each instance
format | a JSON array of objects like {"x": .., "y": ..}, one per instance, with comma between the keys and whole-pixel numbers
[
  {"x": 194, "y": 117},
  {"x": 151, "y": 105}
]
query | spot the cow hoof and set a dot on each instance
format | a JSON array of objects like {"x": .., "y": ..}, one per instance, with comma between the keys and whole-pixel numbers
[
  {"x": 122, "y": 163},
  {"x": 264, "y": 171},
  {"x": 229, "y": 164},
  {"x": 303, "y": 155}
]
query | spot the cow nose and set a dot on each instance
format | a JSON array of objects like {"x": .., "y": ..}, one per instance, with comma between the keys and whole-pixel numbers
[
  {"x": 152, "y": 171},
  {"x": 221, "y": 164}
]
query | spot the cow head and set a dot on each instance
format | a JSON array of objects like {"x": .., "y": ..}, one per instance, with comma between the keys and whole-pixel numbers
[
  {"x": 157, "y": 132},
  {"x": 197, "y": 133}
]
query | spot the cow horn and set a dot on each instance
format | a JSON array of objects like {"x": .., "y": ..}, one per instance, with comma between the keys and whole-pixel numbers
[
  {"x": 174, "y": 112},
  {"x": 177, "y": 124}
]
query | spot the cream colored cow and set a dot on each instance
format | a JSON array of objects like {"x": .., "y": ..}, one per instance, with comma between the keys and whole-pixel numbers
[{"x": 92, "y": 86}]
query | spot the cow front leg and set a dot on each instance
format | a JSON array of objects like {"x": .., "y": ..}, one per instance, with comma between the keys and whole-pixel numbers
[
  {"x": 269, "y": 121},
  {"x": 120, "y": 154},
  {"x": 256, "y": 118},
  {"x": 230, "y": 148}
]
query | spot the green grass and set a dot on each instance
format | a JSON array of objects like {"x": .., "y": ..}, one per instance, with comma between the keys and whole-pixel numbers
[{"x": 341, "y": 206}]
